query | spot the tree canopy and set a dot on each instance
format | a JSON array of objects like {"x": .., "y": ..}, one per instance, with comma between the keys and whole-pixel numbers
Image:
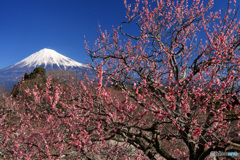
[
  {"x": 38, "y": 71},
  {"x": 38, "y": 76}
]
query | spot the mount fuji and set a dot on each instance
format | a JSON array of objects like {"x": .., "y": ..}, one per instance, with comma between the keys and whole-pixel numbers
[{"x": 46, "y": 58}]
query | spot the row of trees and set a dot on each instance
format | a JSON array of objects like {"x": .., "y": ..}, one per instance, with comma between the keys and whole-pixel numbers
[
  {"x": 173, "y": 87},
  {"x": 39, "y": 71}
]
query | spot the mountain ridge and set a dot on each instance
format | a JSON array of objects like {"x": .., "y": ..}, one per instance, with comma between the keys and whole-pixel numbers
[{"x": 46, "y": 58}]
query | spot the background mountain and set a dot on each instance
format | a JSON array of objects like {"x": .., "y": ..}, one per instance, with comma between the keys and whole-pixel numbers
[{"x": 46, "y": 58}]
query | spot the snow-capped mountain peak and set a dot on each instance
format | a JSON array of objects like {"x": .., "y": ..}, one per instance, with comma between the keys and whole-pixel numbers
[{"x": 46, "y": 57}]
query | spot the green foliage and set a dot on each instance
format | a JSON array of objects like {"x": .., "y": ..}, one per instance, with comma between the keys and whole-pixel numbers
[
  {"x": 26, "y": 76},
  {"x": 37, "y": 77},
  {"x": 38, "y": 71}
]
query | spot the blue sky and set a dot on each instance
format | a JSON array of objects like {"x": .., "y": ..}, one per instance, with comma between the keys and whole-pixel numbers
[{"x": 26, "y": 26}]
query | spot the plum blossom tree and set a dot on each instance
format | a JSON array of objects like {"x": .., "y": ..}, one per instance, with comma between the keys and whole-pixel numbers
[
  {"x": 172, "y": 90},
  {"x": 185, "y": 62}
]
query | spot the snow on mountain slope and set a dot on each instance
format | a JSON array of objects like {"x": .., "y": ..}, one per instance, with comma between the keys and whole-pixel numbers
[{"x": 47, "y": 57}]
